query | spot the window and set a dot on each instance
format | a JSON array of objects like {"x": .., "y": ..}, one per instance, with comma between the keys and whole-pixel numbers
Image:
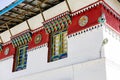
[
  {"x": 20, "y": 60},
  {"x": 58, "y": 45}
]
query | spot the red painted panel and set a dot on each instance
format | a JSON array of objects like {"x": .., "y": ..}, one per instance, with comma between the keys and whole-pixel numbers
[
  {"x": 44, "y": 39},
  {"x": 112, "y": 20},
  {"x": 93, "y": 15},
  {"x": 11, "y": 51}
]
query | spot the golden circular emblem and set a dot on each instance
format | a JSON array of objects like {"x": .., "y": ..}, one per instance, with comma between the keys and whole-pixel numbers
[
  {"x": 6, "y": 52},
  {"x": 83, "y": 21},
  {"x": 37, "y": 39}
]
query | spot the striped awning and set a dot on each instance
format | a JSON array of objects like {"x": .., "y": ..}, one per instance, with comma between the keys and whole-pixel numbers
[
  {"x": 22, "y": 39},
  {"x": 58, "y": 23}
]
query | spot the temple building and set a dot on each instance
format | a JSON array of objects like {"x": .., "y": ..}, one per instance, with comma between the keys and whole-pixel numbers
[{"x": 60, "y": 40}]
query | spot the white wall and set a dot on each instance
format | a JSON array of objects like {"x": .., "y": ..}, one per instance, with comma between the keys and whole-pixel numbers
[
  {"x": 81, "y": 48},
  {"x": 89, "y": 50},
  {"x": 6, "y": 69},
  {"x": 112, "y": 54},
  {"x": 112, "y": 70},
  {"x": 112, "y": 48},
  {"x": 85, "y": 46},
  {"x": 57, "y": 74},
  {"x": 91, "y": 70}
]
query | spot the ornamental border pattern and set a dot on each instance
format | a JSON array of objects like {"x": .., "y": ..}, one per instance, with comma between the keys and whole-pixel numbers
[
  {"x": 94, "y": 5},
  {"x": 85, "y": 30}
]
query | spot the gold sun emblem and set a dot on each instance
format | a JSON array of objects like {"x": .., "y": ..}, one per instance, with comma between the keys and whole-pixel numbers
[
  {"x": 83, "y": 21},
  {"x": 38, "y": 39}
]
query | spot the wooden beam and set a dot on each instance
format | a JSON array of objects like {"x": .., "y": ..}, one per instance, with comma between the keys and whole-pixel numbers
[
  {"x": 68, "y": 5},
  {"x": 1, "y": 39},
  {"x": 2, "y": 21},
  {"x": 9, "y": 30},
  {"x": 27, "y": 22},
  {"x": 41, "y": 13},
  {"x": 29, "y": 3},
  {"x": 26, "y": 10},
  {"x": 2, "y": 28},
  {"x": 12, "y": 17},
  {"x": 48, "y": 3},
  {"x": 15, "y": 12}
]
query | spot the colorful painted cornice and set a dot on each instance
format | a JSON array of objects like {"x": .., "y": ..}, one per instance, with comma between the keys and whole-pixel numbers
[
  {"x": 22, "y": 39},
  {"x": 58, "y": 23}
]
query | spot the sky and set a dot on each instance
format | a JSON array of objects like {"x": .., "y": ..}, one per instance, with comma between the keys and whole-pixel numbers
[{"x": 4, "y": 3}]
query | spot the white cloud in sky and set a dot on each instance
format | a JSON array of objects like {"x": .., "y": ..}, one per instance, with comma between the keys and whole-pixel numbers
[{"x": 5, "y": 3}]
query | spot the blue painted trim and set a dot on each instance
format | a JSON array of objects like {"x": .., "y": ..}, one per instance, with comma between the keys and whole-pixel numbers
[{"x": 10, "y": 7}]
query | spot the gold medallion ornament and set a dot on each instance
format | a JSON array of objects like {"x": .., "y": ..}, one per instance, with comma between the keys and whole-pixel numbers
[
  {"x": 37, "y": 39},
  {"x": 6, "y": 51},
  {"x": 83, "y": 21}
]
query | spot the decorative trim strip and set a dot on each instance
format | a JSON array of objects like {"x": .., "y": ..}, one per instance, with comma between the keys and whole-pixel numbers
[
  {"x": 7, "y": 43},
  {"x": 56, "y": 17},
  {"x": 112, "y": 31},
  {"x": 38, "y": 29},
  {"x": 85, "y": 30},
  {"x": 86, "y": 8},
  {"x": 44, "y": 45},
  {"x": 10, "y": 57},
  {"x": 94, "y": 5},
  {"x": 111, "y": 10},
  {"x": 23, "y": 32}
]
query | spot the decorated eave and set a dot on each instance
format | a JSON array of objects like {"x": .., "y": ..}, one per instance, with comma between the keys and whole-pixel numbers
[
  {"x": 86, "y": 8},
  {"x": 102, "y": 19},
  {"x": 101, "y": 2},
  {"x": 22, "y": 38},
  {"x": 57, "y": 23},
  {"x": 61, "y": 21}
]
